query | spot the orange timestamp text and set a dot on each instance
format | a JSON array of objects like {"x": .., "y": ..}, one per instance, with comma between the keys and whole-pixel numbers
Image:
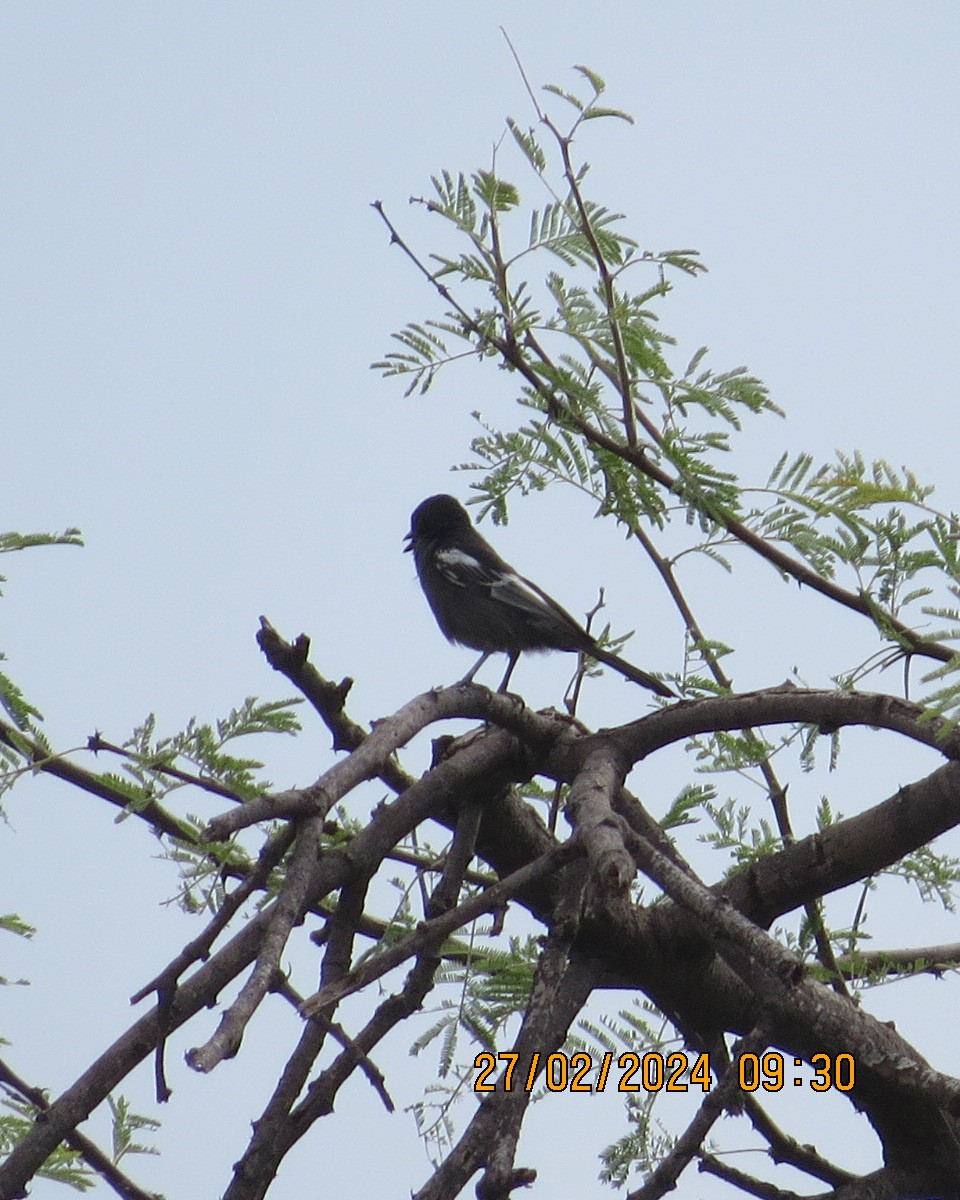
[{"x": 655, "y": 1072}]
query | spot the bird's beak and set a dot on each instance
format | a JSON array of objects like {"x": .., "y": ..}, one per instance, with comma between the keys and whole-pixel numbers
[{"x": 408, "y": 537}]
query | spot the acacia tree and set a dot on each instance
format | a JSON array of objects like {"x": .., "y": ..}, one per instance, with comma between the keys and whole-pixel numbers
[{"x": 741, "y": 973}]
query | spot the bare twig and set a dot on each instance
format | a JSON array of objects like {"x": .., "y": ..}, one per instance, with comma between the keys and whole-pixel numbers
[
  {"x": 99, "y": 744},
  {"x": 785, "y": 1149},
  {"x": 154, "y": 814},
  {"x": 328, "y": 698},
  {"x": 199, "y": 947},
  {"x": 341, "y": 1037},
  {"x": 911, "y": 960}
]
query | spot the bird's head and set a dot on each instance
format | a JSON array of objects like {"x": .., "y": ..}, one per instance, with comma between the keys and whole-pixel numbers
[{"x": 436, "y": 519}]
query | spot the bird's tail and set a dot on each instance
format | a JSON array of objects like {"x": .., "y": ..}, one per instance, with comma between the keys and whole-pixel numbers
[{"x": 634, "y": 674}]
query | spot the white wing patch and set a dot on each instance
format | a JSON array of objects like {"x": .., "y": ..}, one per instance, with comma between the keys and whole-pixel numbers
[{"x": 458, "y": 567}]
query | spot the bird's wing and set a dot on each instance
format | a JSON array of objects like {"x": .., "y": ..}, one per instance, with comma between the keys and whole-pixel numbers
[{"x": 502, "y": 584}]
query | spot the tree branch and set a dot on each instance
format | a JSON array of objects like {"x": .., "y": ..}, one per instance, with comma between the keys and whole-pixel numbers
[
  {"x": 367, "y": 761},
  {"x": 286, "y": 912},
  {"x": 89, "y": 1151},
  {"x": 429, "y": 935},
  {"x": 589, "y": 805}
]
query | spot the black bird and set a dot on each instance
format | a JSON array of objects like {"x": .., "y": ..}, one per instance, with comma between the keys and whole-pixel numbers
[{"x": 480, "y": 601}]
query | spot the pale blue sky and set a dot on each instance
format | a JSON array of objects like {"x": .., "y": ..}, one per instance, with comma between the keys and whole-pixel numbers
[{"x": 194, "y": 286}]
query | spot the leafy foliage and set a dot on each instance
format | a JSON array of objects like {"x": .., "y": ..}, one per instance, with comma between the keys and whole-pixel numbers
[
  {"x": 156, "y": 764},
  {"x": 65, "y": 1165},
  {"x": 126, "y": 1125},
  {"x": 11, "y": 923}
]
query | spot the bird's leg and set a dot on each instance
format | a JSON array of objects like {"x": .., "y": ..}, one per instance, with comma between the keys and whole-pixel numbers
[
  {"x": 510, "y": 665},
  {"x": 468, "y": 678}
]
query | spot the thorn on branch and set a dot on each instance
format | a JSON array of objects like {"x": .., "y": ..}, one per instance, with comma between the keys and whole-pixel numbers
[{"x": 502, "y": 1189}]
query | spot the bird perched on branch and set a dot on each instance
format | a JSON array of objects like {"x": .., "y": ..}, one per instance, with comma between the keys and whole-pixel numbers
[{"x": 480, "y": 601}]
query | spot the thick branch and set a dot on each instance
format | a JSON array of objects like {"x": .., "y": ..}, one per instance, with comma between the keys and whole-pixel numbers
[
  {"x": 850, "y": 850},
  {"x": 590, "y": 805},
  {"x": 781, "y": 706},
  {"x": 544, "y": 1036},
  {"x": 444, "y": 895},
  {"x": 465, "y": 700},
  {"x": 890, "y": 1073}
]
